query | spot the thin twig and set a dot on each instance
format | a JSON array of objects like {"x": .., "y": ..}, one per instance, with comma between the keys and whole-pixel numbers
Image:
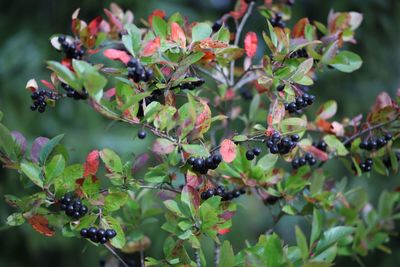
[
  {"x": 115, "y": 254},
  {"x": 160, "y": 188},
  {"x": 210, "y": 74},
  {"x": 237, "y": 37}
]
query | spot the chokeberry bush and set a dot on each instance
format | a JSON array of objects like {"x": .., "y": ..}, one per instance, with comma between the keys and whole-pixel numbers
[{"x": 185, "y": 86}]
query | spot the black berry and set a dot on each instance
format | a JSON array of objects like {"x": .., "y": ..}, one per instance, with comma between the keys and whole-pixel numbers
[
  {"x": 250, "y": 155},
  {"x": 141, "y": 134}
]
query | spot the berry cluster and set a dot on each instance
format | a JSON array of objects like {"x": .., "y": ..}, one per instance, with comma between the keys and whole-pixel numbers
[
  {"x": 220, "y": 191},
  {"x": 299, "y": 103},
  {"x": 98, "y": 235},
  {"x": 39, "y": 98},
  {"x": 75, "y": 94},
  {"x": 367, "y": 165},
  {"x": 282, "y": 145},
  {"x": 301, "y": 53},
  {"x": 277, "y": 21},
  {"x": 203, "y": 165},
  {"x": 375, "y": 143},
  {"x": 308, "y": 158},
  {"x": 70, "y": 50},
  {"x": 138, "y": 72},
  {"x": 321, "y": 145},
  {"x": 73, "y": 207},
  {"x": 250, "y": 154}
]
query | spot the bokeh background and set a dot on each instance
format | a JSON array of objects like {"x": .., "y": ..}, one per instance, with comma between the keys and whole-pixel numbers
[{"x": 25, "y": 26}]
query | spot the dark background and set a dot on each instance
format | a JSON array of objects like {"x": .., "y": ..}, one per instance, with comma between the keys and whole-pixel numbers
[{"x": 25, "y": 27}]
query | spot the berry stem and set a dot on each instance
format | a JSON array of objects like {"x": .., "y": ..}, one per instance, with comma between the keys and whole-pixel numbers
[{"x": 370, "y": 128}]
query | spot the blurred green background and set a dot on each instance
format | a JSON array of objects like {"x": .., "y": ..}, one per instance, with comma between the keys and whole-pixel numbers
[{"x": 25, "y": 26}]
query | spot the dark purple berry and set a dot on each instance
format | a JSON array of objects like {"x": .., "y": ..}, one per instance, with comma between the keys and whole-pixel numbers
[
  {"x": 141, "y": 134},
  {"x": 250, "y": 155}
]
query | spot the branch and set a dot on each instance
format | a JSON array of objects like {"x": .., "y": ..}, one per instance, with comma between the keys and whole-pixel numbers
[
  {"x": 197, "y": 257},
  {"x": 160, "y": 187},
  {"x": 217, "y": 251},
  {"x": 206, "y": 72},
  {"x": 115, "y": 254},
  {"x": 371, "y": 128},
  {"x": 237, "y": 38}
]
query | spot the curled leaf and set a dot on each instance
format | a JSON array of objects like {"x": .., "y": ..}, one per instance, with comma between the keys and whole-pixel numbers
[
  {"x": 115, "y": 54},
  {"x": 41, "y": 225},
  {"x": 250, "y": 44}
]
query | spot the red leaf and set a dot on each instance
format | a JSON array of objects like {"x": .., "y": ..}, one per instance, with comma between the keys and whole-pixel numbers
[
  {"x": 319, "y": 154},
  {"x": 117, "y": 54},
  {"x": 227, "y": 215},
  {"x": 177, "y": 34},
  {"x": 109, "y": 93},
  {"x": 223, "y": 231},
  {"x": 41, "y": 225},
  {"x": 337, "y": 128},
  {"x": 151, "y": 47},
  {"x": 194, "y": 195},
  {"x": 250, "y": 44},
  {"x": 228, "y": 150},
  {"x": 92, "y": 163},
  {"x": 382, "y": 100},
  {"x": 240, "y": 10},
  {"x": 159, "y": 13},
  {"x": 192, "y": 179},
  {"x": 67, "y": 62},
  {"x": 298, "y": 30},
  {"x": 140, "y": 161},
  {"x": 203, "y": 120},
  {"x": 94, "y": 25},
  {"x": 48, "y": 85}
]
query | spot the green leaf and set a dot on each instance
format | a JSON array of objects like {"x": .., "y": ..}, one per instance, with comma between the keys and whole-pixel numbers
[
  {"x": 293, "y": 125},
  {"x": 111, "y": 160},
  {"x": 92, "y": 80},
  {"x": 48, "y": 148},
  {"x": 54, "y": 168},
  {"x": 66, "y": 74},
  {"x": 335, "y": 145},
  {"x": 317, "y": 225},
  {"x": 301, "y": 243},
  {"x": 273, "y": 251},
  {"x": 15, "y": 219},
  {"x": 173, "y": 206},
  {"x": 114, "y": 201},
  {"x": 316, "y": 264},
  {"x": 346, "y": 61},
  {"x": 196, "y": 150},
  {"x": 160, "y": 27},
  {"x": 132, "y": 40},
  {"x": 327, "y": 110},
  {"x": 267, "y": 162},
  {"x": 201, "y": 31},
  {"x": 32, "y": 171},
  {"x": 227, "y": 257},
  {"x": 6, "y": 141},
  {"x": 332, "y": 236},
  {"x": 254, "y": 107},
  {"x": 111, "y": 223},
  {"x": 157, "y": 174},
  {"x": 68, "y": 178},
  {"x": 327, "y": 255},
  {"x": 302, "y": 69}
]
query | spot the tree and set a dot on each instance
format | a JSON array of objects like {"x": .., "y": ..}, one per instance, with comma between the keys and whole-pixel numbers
[{"x": 181, "y": 81}]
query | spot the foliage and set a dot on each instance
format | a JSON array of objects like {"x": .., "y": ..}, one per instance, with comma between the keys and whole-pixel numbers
[{"x": 197, "y": 122}]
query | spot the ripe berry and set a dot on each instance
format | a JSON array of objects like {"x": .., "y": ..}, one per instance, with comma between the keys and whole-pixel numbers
[
  {"x": 308, "y": 156},
  {"x": 236, "y": 193},
  {"x": 198, "y": 163},
  {"x": 302, "y": 161},
  {"x": 110, "y": 233},
  {"x": 141, "y": 134},
  {"x": 92, "y": 231},
  {"x": 94, "y": 239},
  {"x": 100, "y": 233},
  {"x": 103, "y": 240},
  {"x": 256, "y": 151},
  {"x": 295, "y": 138},
  {"x": 217, "y": 159},
  {"x": 216, "y": 26},
  {"x": 204, "y": 195},
  {"x": 388, "y": 137},
  {"x": 250, "y": 155},
  {"x": 133, "y": 63},
  {"x": 84, "y": 232},
  {"x": 210, "y": 163},
  {"x": 312, "y": 161},
  {"x": 210, "y": 193},
  {"x": 61, "y": 39},
  {"x": 280, "y": 87},
  {"x": 191, "y": 160},
  {"x": 276, "y": 137}
]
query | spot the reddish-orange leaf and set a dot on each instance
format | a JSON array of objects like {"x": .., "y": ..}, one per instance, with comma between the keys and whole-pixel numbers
[
  {"x": 48, "y": 85},
  {"x": 209, "y": 43},
  {"x": 223, "y": 231},
  {"x": 324, "y": 125},
  {"x": 117, "y": 54},
  {"x": 203, "y": 120},
  {"x": 192, "y": 179},
  {"x": 151, "y": 47},
  {"x": 67, "y": 62},
  {"x": 178, "y": 35},
  {"x": 228, "y": 150},
  {"x": 94, "y": 25},
  {"x": 41, "y": 225},
  {"x": 298, "y": 30},
  {"x": 92, "y": 163},
  {"x": 158, "y": 12},
  {"x": 114, "y": 21},
  {"x": 250, "y": 44},
  {"x": 240, "y": 10}
]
